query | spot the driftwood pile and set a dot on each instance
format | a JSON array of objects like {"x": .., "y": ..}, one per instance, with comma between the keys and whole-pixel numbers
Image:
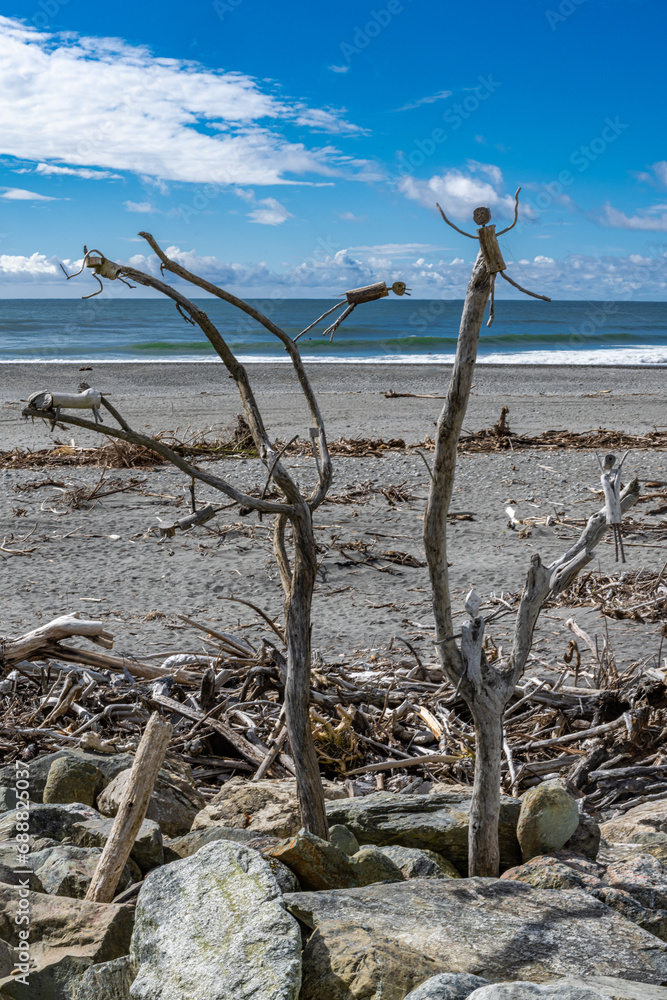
[{"x": 380, "y": 720}]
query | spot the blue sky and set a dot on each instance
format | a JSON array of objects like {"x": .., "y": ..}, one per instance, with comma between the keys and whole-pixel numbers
[{"x": 298, "y": 149}]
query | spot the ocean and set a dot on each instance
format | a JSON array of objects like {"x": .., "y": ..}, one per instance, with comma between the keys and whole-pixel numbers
[{"x": 389, "y": 331}]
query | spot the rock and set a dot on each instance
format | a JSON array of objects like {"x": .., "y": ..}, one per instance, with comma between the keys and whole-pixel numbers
[
  {"x": 7, "y": 798},
  {"x": 416, "y": 863},
  {"x": 560, "y": 870},
  {"x": 147, "y": 853},
  {"x": 66, "y": 936},
  {"x": 190, "y": 843},
  {"x": 265, "y": 806},
  {"x": 173, "y": 805},
  {"x": 643, "y": 827},
  {"x": 532, "y": 991},
  {"x": 384, "y": 940},
  {"x": 643, "y": 876},
  {"x": 549, "y": 817},
  {"x": 7, "y": 956},
  {"x": 617, "y": 989},
  {"x": 447, "y": 986},
  {"x": 67, "y": 870},
  {"x": 586, "y": 838},
  {"x": 107, "y": 981},
  {"x": 286, "y": 879},
  {"x": 71, "y": 779},
  {"x": 437, "y": 822},
  {"x": 343, "y": 839},
  {"x": 108, "y": 764},
  {"x": 53, "y": 821},
  {"x": 212, "y": 927},
  {"x": 10, "y": 876},
  {"x": 320, "y": 865}
]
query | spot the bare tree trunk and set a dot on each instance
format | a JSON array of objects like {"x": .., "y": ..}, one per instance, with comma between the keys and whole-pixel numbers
[
  {"x": 483, "y": 849},
  {"x": 297, "y": 687}
]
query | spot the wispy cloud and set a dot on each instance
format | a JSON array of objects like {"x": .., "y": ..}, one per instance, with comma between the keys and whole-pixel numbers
[
  {"x": 653, "y": 219},
  {"x": 339, "y": 69},
  {"x": 431, "y": 99},
  {"x": 351, "y": 217},
  {"x": 20, "y": 194},
  {"x": 139, "y": 206},
  {"x": 101, "y": 103},
  {"x": 48, "y": 169}
]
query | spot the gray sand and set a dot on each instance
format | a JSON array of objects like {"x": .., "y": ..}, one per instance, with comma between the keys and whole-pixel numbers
[{"x": 77, "y": 565}]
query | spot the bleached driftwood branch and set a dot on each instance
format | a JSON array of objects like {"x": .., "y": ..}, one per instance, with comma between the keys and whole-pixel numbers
[{"x": 487, "y": 686}]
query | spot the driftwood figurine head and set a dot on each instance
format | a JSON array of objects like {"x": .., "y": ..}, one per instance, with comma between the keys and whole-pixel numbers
[{"x": 488, "y": 242}]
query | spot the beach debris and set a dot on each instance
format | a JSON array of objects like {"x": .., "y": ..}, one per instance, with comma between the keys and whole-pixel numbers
[
  {"x": 611, "y": 487},
  {"x": 488, "y": 241},
  {"x": 353, "y": 298}
]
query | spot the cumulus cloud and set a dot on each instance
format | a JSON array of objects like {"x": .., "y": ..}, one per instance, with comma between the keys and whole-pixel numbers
[
  {"x": 653, "y": 219},
  {"x": 458, "y": 192},
  {"x": 102, "y": 103},
  {"x": 20, "y": 194},
  {"x": 427, "y": 273},
  {"x": 269, "y": 212}
]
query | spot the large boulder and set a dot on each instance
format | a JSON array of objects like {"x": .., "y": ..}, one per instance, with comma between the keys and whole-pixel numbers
[
  {"x": 190, "y": 843},
  {"x": 66, "y": 936},
  {"x": 173, "y": 805},
  {"x": 213, "y": 926},
  {"x": 437, "y": 822},
  {"x": 533, "y": 991},
  {"x": 447, "y": 986},
  {"x": 616, "y": 989},
  {"x": 643, "y": 828},
  {"x": 147, "y": 852},
  {"x": 264, "y": 806},
  {"x": 73, "y": 779},
  {"x": 107, "y": 981},
  {"x": 56, "y": 822},
  {"x": 109, "y": 764},
  {"x": 384, "y": 940},
  {"x": 549, "y": 817}
]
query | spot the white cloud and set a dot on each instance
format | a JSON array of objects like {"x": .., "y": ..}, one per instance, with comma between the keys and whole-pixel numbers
[
  {"x": 647, "y": 220},
  {"x": 339, "y": 69},
  {"x": 459, "y": 193},
  {"x": 351, "y": 217},
  {"x": 91, "y": 102},
  {"x": 20, "y": 194},
  {"x": 399, "y": 250},
  {"x": 269, "y": 212},
  {"x": 25, "y": 269},
  {"x": 431, "y": 99},
  {"x": 91, "y": 175},
  {"x": 139, "y": 206}
]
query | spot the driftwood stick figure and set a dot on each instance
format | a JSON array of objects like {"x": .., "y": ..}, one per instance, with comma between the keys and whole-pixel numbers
[
  {"x": 488, "y": 241},
  {"x": 353, "y": 298},
  {"x": 611, "y": 487}
]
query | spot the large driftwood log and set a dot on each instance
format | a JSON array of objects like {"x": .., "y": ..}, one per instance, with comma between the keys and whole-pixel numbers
[
  {"x": 25, "y": 646},
  {"x": 487, "y": 687},
  {"x": 131, "y": 811}
]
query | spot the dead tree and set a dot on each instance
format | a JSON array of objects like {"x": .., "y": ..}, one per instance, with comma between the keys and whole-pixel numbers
[
  {"x": 297, "y": 569},
  {"x": 487, "y": 686}
]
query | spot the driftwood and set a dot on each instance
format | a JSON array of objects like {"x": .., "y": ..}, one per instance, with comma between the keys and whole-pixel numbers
[
  {"x": 487, "y": 686},
  {"x": 131, "y": 810}
]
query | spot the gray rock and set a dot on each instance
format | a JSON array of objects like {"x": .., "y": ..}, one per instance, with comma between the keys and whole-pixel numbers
[
  {"x": 320, "y": 865},
  {"x": 532, "y": 991},
  {"x": 617, "y": 989},
  {"x": 447, "y": 986},
  {"x": 67, "y": 870},
  {"x": 7, "y": 798},
  {"x": 437, "y": 822},
  {"x": 12, "y": 876},
  {"x": 384, "y": 940},
  {"x": 265, "y": 806},
  {"x": 343, "y": 839},
  {"x": 586, "y": 838},
  {"x": 107, "y": 981},
  {"x": 109, "y": 765},
  {"x": 54, "y": 821},
  {"x": 549, "y": 817},
  {"x": 417, "y": 863},
  {"x": 643, "y": 829},
  {"x": 7, "y": 957},
  {"x": 66, "y": 936},
  {"x": 286, "y": 879},
  {"x": 147, "y": 853},
  {"x": 212, "y": 927},
  {"x": 190, "y": 843},
  {"x": 173, "y": 805},
  {"x": 71, "y": 779}
]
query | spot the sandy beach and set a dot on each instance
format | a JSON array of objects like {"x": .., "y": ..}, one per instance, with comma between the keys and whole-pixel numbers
[{"x": 101, "y": 558}]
